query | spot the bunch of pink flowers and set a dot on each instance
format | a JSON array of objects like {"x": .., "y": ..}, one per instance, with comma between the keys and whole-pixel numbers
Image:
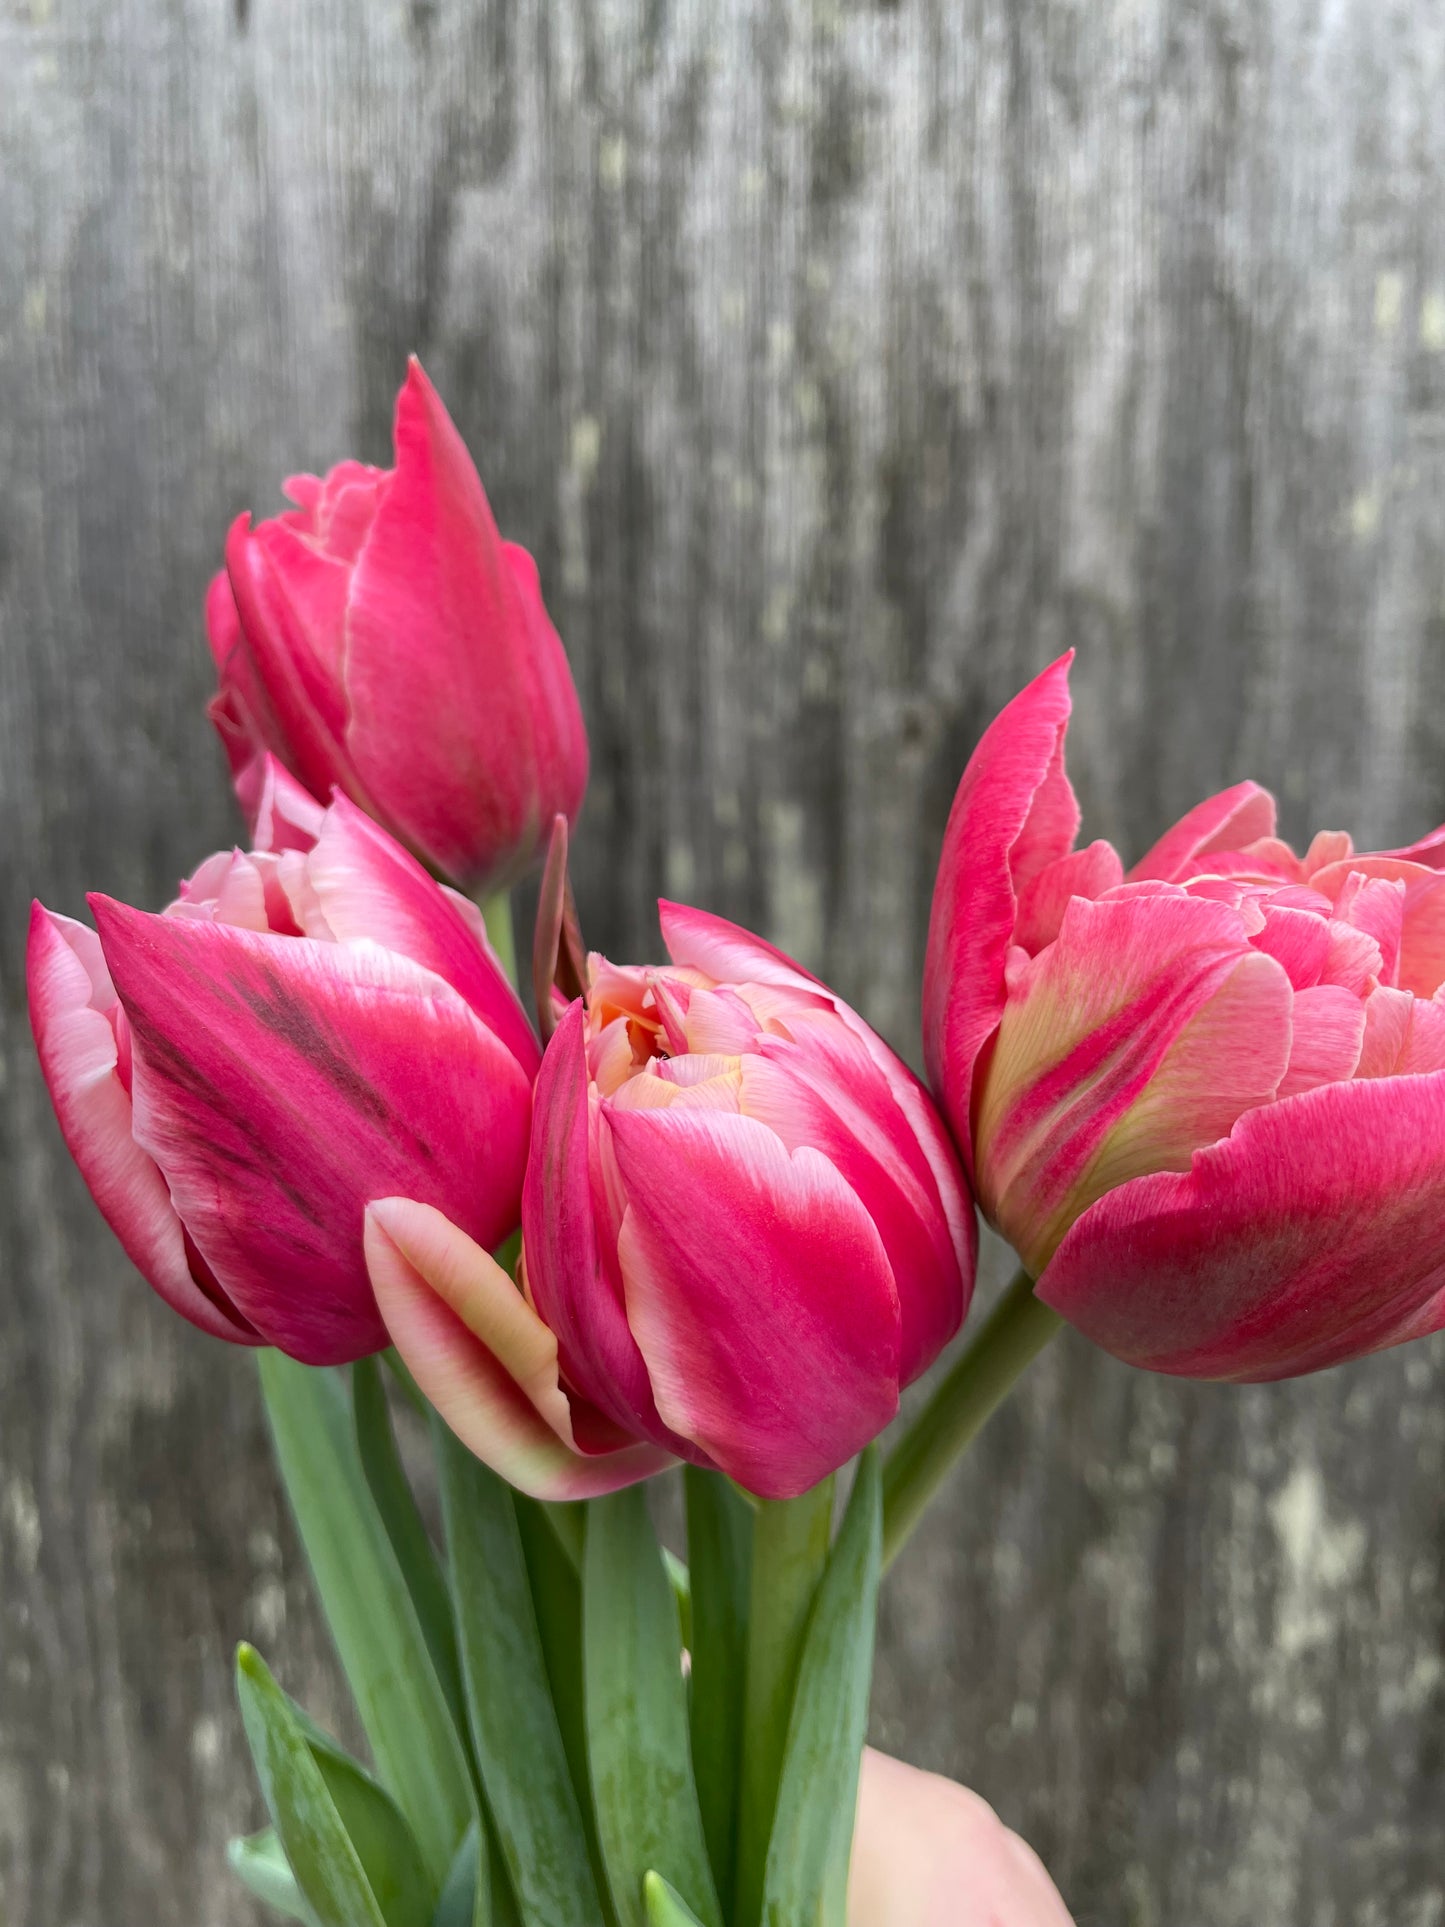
[{"x": 700, "y": 1214}]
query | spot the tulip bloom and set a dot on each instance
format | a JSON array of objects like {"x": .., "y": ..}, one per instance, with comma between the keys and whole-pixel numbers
[
  {"x": 743, "y": 1230},
  {"x": 381, "y": 638},
  {"x": 1205, "y": 1101},
  {"x": 306, "y": 1026}
]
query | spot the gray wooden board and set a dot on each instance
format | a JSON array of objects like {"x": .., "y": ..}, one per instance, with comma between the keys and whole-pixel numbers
[{"x": 841, "y": 364}]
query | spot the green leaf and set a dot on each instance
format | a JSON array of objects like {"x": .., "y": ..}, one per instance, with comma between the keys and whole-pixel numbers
[
  {"x": 326, "y": 1865},
  {"x": 557, "y": 1595},
  {"x": 665, "y": 1905},
  {"x": 418, "y": 1754},
  {"x": 259, "y": 1862},
  {"x": 514, "y": 1724},
  {"x": 465, "y": 1897},
  {"x": 807, "y": 1869},
  {"x": 790, "y": 1543},
  {"x": 409, "y": 1537},
  {"x": 404, "y": 1891},
  {"x": 642, "y": 1781},
  {"x": 719, "y": 1551}
]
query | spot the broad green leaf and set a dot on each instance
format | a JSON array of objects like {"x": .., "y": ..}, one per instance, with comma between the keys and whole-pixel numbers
[
  {"x": 326, "y": 1865},
  {"x": 719, "y": 1552},
  {"x": 680, "y": 1579},
  {"x": 807, "y": 1868},
  {"x": 514, "y": 1724},
  {"x": 642, "y": 1782},
  {"x": 665, "y": 1905},
  {"x": 466, "y": 1895},
  {"x": 404, "y": 1891},
  {"x": 557, "y": 1595},
  {"x": 568, "y": 1520},
  {"x": 259, "y": 1862},
  {"x": 409, "y": 1537},
  {"x": 790, "y": 1550},
  {"x": 418, "y": 1753}
]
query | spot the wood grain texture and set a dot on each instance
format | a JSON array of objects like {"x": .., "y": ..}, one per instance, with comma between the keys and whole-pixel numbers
[{"x": 841, "y": 363}]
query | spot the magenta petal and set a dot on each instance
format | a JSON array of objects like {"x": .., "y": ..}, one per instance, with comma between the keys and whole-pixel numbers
[
  {"x": 760, "y": 1294},
  {"x": 1313, "y": 1234},
  {"x": 367, "y": 886},
  {"x": 840, "y": 1105},
  {"x": 1083, "y": 873},
  {"x": 726, "y": 952},
  {"x": 487, "y": 688},
  {"x": 281, "y": 813},
  {"x": 71, "y": 1007},
  {"x": 295, "y": 667},
  {"x": 566, "y": 1276},
  {"x": 1238, "y": 816},
  {"x": 974, "y": 901},
  {"x": 279, "y": 1084}
]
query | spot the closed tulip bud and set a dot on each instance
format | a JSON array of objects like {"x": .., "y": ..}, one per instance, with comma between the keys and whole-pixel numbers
[
  {"x": 310, "y": 1024},
  {"x": 383, "y": 639},
  {"x": 1205, "y": 1100},
  {"x": 744, "y": 1229}
]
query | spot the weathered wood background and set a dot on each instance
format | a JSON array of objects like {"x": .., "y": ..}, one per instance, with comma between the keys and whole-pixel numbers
[{"x": 841, "y": 363}]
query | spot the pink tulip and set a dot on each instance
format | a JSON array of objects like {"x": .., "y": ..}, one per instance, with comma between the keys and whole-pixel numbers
[
  {"x": 382, "y": 638},
  {"x": 928, "y": 1853},
  {"x": 306, "y": 1026},
  {"x": 1205, "y": 1101},
  {"x": 744, "y": 1229}
]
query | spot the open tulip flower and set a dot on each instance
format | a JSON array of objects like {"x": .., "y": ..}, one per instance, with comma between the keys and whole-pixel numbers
[
  {"x": 744, "y": 1229},
  {"x": 1204, "y": 1099},
  {"x": 308, "y": 1025},
  {"x": 381, "y": 637}
]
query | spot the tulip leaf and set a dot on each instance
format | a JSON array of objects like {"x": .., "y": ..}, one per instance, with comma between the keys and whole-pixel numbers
[
  {"x": 259, "y": 1862},
  {"x": 514, "y": 1724},
  {"x": 557, "y": 1595},
  {"x": 641, "y": 1762},
  {"x": 466, "y": 1895},
  {"x": 807, "y": 1867},
  {"x": 418, "y": 1753},
  {"x": 719, "y": 1551},
  {"x": 410, "y": 1540},
  {"x": 665, "y": 1905},
  {"x": 320, "y": 1852}
]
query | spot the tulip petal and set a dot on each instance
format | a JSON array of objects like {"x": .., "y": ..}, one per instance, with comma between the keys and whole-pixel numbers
[
  {"x": 280, "y": 1083},
  {"x": 487, "y": 688},
  {"x": 281, "y": 813},
  {"x": 573, "y": 1291},
  {"x": 368, "y": 887},
  {"x": 726, "y": 952},
  {"x": 974, "y": 900},
  {"x": 1083, "y": 873},
  {"x": 1141, "y": 1033},
  {"x": 1312, "y": 1234},
  {"x": 485, "y": 1360},
  {"x": 760, "y": 1294},
  {"x": 1404, "y": 1035},
  {"x": 836, "y": 1101},
  {"x": 1240, "y": 815},
  {"x": 70, "y": 998},
  {"x": 293, "y": 665},
  {"x": 1421, "y": 966},
  {"x": 1327, "y": 1028}
]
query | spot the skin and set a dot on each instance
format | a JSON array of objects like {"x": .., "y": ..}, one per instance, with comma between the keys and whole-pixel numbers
[{"x": 928, "y": 1853}]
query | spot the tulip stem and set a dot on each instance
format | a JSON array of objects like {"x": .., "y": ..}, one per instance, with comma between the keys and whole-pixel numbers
[
  {"x": 790, "y": 1550},
  {"x": 497, "y": 916},
  {"x": 1010, "y": 1338}
]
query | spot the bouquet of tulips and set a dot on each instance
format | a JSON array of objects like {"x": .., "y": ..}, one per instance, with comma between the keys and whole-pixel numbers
[{"x": 692, "y": 1213}]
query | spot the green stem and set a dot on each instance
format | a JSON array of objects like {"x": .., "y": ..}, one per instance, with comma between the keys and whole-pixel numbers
[
  {"x": 497, "y": 916},
  {"x": 1010, "y": 1338},
  {"x": 790, "y": 1550}
]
